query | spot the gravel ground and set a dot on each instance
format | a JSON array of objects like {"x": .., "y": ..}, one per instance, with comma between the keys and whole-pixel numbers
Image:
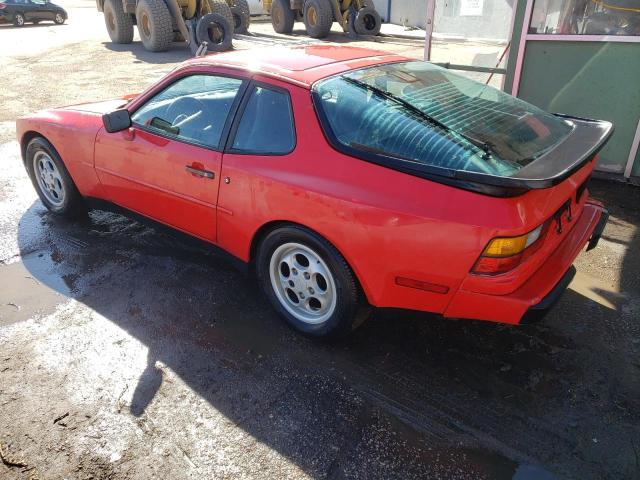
[{"x": 126, "y": 353}]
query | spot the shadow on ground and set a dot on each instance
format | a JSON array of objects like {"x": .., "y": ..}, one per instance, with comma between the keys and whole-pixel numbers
[
  {"x": 178, "y": 52},
  {"x": 489, "y": 400}
]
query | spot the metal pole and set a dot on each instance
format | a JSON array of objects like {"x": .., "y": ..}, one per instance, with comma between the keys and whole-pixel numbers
[
  {"x": 431, "y": 8},
  {"x": 633, "y": 153}
]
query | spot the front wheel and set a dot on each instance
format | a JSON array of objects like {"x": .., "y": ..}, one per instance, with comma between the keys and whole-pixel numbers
[
  {"x": 58, "y": 19},
  {"x": 18, "y": 20},
  {"x": 52, "y": 180},
  {"x": 318, "y": 18},
  {"x": 155, "y": 25},
  {"x": 309, "y": 283}
]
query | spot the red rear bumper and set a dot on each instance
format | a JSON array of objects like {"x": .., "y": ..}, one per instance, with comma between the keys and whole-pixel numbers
[{"x": 540, "y": 291}]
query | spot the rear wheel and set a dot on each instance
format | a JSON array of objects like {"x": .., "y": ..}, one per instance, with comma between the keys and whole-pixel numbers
[
  {"x": 18, "y": 20},
  {"x": 309, "y": 283},
  {"x": 318, "y": 18},
  {"x": 241, "y": 16},
  {"x": 119, "y": 24},
  {"x": 367, "y": 21},
  {"x": 52, "y": 180},
  {"x": 155, "y": 25},
  {"x": 282, "y": 17}
]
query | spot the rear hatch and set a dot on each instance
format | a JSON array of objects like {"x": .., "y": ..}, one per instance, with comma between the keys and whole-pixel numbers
[{"x": 424, "y": 120}]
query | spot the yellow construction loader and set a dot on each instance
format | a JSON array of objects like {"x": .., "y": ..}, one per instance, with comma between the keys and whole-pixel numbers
[
  {"x": 161, "y": 22},
  {"x": 354, "y": 16}
]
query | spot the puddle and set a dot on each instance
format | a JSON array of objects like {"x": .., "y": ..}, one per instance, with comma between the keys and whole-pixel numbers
[
  {"x": 30, "y": 287},
  {"x": 597, "y": 290}
]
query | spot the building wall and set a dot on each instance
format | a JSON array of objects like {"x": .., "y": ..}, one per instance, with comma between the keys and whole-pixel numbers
[{"x": 456, "y": 18}]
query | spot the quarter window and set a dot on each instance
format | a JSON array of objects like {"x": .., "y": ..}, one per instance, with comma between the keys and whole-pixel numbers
[
  {"x": 193, "y": 109},
  {"x": 266, "y": 126}
]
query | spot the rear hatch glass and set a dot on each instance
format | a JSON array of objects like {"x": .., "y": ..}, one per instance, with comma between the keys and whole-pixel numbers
[{"x": 437, "y": 122}]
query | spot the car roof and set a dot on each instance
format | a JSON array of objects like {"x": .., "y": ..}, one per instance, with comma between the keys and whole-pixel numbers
[{"x": 300, "y": 64}]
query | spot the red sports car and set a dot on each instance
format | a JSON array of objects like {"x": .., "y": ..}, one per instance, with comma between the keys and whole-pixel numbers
[{"x": 346, "y": 178}]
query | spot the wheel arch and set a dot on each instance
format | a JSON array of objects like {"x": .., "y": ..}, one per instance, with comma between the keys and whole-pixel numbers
[
  {"x": 264, "y": 230},
  {"x": 26, "y": 138}
]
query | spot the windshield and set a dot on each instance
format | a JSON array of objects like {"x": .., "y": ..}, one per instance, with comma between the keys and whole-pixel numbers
[{"x": 423, "y": 113}]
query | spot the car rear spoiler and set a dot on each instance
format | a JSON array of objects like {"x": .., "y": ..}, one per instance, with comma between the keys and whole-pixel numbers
[{"x": 585, "y": 140}]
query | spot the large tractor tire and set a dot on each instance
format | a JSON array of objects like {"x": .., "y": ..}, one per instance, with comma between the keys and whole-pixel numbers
[
  {"x": 119, "y": 24},
  {"x": 241, "y": 16},
  {"x": 155, "y": 25},
  {"x": 368, "y": 21},
  {"x": 221, "y": 7},
  {"x": 214, "y": 29},
  {"x": 318, "y": 18},
  {"x": 282, "y": 17}
]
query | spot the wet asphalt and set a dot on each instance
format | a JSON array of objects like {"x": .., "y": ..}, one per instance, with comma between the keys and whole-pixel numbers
[{"x": 165, "y": 362}]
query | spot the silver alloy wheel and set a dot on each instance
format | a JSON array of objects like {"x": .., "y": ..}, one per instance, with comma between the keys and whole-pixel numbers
[
  {"x": 49, "y": 179},
  {"x": 303, "y": 283},
  {"x": 59, "y": 18},
  {"x": 20, "y": 20}
]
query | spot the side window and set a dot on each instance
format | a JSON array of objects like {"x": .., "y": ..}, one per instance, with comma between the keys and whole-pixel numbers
[
  {"x": 266, "y": 126},
  {"x": 193, "y": 109}
]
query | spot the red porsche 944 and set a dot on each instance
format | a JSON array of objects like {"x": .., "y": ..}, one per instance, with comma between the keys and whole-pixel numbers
[{"x": 345, "y": 178}]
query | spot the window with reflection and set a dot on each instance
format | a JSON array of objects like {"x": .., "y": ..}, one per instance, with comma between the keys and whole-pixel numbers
[{"x": 586, "y": 17}]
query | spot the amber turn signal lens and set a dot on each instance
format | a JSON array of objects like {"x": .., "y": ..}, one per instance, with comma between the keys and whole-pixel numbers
[{"x": 505, "y": 247}]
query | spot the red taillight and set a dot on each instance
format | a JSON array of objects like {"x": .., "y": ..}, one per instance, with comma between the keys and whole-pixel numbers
[
  {"x": 2, "y": 6},
  {"x": 495, "y": 266},
  {"x": 503, "y": 254}
]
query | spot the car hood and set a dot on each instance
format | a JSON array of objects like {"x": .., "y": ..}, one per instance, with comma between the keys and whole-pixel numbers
[{"x": 101, "y": 107}]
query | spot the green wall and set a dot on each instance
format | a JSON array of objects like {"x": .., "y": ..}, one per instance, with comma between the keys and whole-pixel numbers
[{"x": 590, "y": 79}]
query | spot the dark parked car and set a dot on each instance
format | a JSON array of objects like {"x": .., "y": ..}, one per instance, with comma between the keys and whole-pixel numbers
[{"x": 19, "y": 12}]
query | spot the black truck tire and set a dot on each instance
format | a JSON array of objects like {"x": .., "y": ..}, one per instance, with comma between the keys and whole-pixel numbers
[
  {"x": 241, "y": 16},
  {"x": 368, "y": 21},
  {"x": 119, "y": 24},
  {"x": 221, "y": 7},
  {"x": 155, "y": 25},
  {"x": 214, "y": 29},
  {"x": 318, "y": 18},
  {"x": 282, "y": 17}
]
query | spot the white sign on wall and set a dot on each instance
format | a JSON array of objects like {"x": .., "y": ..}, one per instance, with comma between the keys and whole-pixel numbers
[{"x": 469, "y": 8}]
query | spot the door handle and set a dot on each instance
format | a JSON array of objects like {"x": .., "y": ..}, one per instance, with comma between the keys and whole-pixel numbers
[{"x": 200, "y": 173}]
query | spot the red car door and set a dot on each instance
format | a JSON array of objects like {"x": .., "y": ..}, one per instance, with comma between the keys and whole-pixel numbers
[
  {"x": 167, "y": 165},
  {"x": 260, "y": 150}
]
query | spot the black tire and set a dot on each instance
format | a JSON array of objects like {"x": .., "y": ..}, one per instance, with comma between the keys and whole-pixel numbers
[
  {"x": 58, "y": 19},
  {"x": 155, "y": 25},
  {"x": 282, "y": 17},
  {"x": 214, "y": 29},
  {"x": 368, "y": 21},
  {"x": 241, "y": 16},
  {"x": 318, "y": 18},
  {"x": 18, "y": 19},
  {"x": 73, "y": 205},
  {"x": 221, "y": 7},
  {"x": 351, "y": 307},
  {"x": 119, "y": 24}
]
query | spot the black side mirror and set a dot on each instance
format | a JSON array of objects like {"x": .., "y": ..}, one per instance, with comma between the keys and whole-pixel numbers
[{"x": 117, "y": 120}]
